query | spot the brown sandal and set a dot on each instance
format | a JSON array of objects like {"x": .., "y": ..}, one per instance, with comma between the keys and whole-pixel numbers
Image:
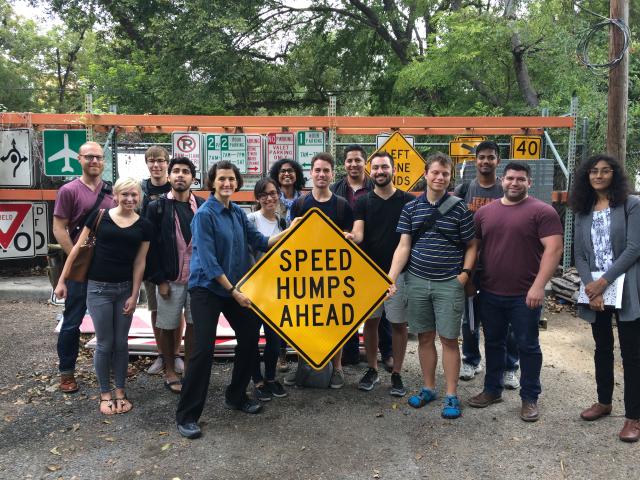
[
  {"x": 122, "y": 403},
  {"x": 109, "y": 406}
]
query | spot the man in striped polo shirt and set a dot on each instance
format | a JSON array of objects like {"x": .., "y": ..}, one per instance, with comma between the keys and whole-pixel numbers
[{"x": 438, "y": 246}]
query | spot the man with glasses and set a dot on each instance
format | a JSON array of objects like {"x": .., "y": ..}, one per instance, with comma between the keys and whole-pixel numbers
[
  {"x": 74, "y": 203},
  {"x": 157, "y": 159}
]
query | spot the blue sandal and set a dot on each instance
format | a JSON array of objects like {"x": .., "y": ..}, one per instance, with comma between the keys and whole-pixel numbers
[
  {"x": 451, "y": 407},
  {"x": 425, "y": 396}
]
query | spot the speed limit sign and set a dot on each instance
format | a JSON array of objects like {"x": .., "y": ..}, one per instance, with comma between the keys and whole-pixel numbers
[{"x": 526, "y": 147}]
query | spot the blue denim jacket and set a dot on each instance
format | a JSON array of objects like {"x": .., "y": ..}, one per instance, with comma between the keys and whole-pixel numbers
[{"x": 221, "y": 238}]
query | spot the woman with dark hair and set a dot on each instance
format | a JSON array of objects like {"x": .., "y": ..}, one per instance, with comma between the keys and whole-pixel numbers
[
  {"x": 289, "y": 177},
  {"x": 221, "y": 236},
  {"x": 268, "y": 222},
  {"x": 607, "y": 245}
]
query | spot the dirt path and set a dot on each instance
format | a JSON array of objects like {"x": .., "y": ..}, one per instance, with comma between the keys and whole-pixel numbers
[{"x": 345, "y": 434}]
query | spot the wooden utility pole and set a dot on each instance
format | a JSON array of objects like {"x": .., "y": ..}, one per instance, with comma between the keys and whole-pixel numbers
[{"x": 618, "y": 85}]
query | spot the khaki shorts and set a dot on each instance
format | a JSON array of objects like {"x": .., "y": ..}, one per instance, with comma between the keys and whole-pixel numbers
[
  {"x": 395, "y": 307},
  {"x": 152, "y": 302},
  {"x": 435, "y": 305},
  {"x": 170, "y": 309}
]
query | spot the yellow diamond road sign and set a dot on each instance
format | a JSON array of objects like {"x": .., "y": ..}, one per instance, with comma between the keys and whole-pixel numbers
[
  {"x": 409, "y": 165},
  {"x": 315, "y": 288}
]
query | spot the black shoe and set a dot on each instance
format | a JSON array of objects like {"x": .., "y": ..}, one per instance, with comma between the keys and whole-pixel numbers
[
  {"x": 369, "y": 379},
  {"x": 276, "y": 389},
  {"x": 397, "y": 387},
  {"x": 189, "y": 430},
  {"x": 248, "y": 406},
  {"x": 263, "y": 393}
]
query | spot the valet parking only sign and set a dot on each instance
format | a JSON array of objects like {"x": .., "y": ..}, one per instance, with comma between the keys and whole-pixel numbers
[{"x": 315, "y": 288}]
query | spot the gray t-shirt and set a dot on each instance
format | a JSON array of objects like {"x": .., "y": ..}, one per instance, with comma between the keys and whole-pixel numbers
[{"x": 478, "y": 196}]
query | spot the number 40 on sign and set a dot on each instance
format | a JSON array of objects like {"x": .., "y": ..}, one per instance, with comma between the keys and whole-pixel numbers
[{"x": 526, "y": 147}]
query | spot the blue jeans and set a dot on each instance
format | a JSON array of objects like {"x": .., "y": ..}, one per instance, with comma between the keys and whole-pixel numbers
[
  {"x": 75, "y": 307},
  {"x": 498, "y": 314},
  {"x": 471, "y": 341},
  {"x": 105, "y": 301}
]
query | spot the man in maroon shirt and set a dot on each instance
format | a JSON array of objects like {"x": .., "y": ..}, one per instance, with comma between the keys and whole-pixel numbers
[{"x": 521, "y": 246}]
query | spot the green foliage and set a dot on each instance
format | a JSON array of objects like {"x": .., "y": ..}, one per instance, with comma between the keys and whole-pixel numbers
[{"x": 409, "y": 57}]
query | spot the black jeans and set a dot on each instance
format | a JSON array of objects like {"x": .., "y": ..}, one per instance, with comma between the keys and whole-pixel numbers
[
  {"x": 205, "y": 310},
  {"x": 270, "y": 355},
  {"x": 629, "y": 337}
]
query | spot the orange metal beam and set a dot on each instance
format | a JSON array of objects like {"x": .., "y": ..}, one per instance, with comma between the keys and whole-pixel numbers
[
  {"x": 31, "y": 195},
  {"x": 264, "y": 124}
]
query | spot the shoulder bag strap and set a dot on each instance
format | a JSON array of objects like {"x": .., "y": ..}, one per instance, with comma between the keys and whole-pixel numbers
[{"x": 106, "y": 188}]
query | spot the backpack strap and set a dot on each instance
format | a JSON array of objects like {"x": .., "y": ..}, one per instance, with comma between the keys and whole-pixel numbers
[
  {"x": 464, "y": 188},
  {"x": 340, "y": 207}
]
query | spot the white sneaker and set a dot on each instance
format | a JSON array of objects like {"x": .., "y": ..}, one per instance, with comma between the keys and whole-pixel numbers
[
  {"x": 511, "y": 380},
  {"x": 468, "y": 371},
  {"x": 178, "y": 365},
  {"x": 157, "y": 366}
]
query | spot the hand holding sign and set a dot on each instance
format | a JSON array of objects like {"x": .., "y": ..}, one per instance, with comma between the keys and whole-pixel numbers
[{"x": 241, "y": 298}]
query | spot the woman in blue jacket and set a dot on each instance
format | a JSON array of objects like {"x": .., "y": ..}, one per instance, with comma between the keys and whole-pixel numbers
[
  {"x": 607, "y": 240},
  {"x": 221, "y": 237}
]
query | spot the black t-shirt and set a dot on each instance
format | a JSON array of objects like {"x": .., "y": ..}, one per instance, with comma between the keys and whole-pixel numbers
[
  {"x": 185, "y": 215},
  {"x": 116, "y": 248},
  {"x": 380, "y": 221},
  {"x": 329, "y": 208},
  {"x": 151, "y": 193}
]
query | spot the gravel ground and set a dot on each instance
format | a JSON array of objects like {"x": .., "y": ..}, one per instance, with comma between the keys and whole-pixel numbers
[{"x": 311, "y": 434}]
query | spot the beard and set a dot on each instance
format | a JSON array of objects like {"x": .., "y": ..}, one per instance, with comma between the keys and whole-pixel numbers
[
  {"x": 382, "y": 181},
  {"x": 180, "y": 188}
]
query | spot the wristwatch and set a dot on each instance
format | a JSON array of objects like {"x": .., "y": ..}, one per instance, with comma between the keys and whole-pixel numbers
[{"x": 468, "y": 271}]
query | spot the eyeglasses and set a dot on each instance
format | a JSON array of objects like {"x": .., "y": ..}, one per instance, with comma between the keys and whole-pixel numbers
[
  {"x": 159, "y": 161},
  {"x": 285, "y": 171},
  {"x": 603, "y": 171},
  {"x": 91, "y": 158},
  {"x": 262, "y": 196}
]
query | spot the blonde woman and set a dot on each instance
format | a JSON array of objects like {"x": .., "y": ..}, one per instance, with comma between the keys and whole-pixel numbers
[{"x": 114, "y": 278}]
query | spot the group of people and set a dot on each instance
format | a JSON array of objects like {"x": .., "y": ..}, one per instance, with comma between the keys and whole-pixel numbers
[{"x": 478, "y": 257}]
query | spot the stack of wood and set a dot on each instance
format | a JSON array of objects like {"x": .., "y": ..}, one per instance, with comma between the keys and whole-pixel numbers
[{"x": 567, "y": 286}]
